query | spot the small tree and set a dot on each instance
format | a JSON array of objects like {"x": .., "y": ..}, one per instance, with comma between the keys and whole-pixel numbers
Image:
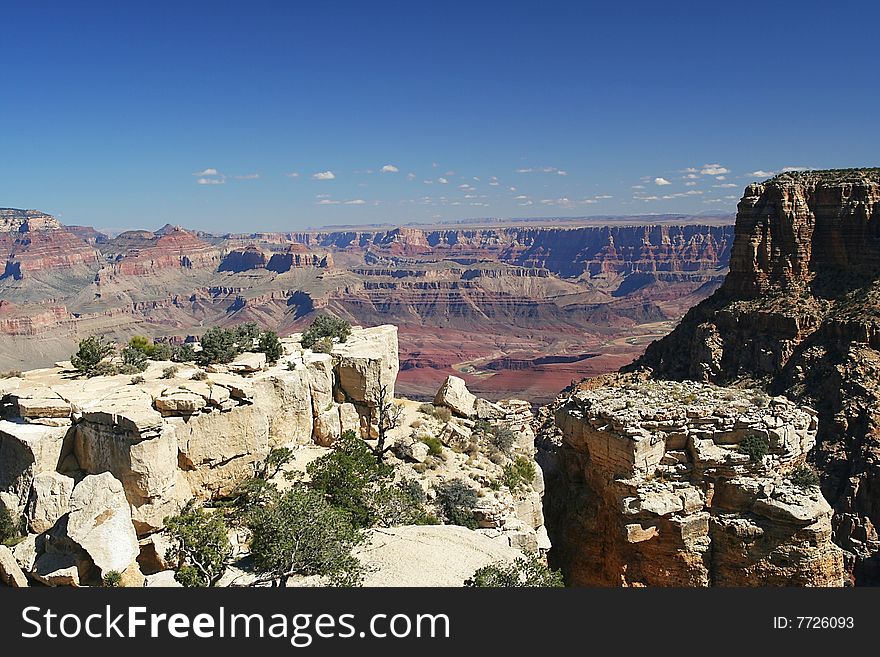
[
  {"x": 90, "y": 353},
  {"x": 133, "y": 360},
  {"x": 456, "y": 500},
  {"x": 142, "y": 344},
  {"x": 162, "y": 351},
  {"x": 756, "y": 447},
  {"x": 182, "y": 353},
  {"x": 246, "y": 334},
  {"x": 805, "y": 477},
  {"x": 270, "y": 345},
  {"x": 200, "y": 549},
  {"x": 301, "y": 533},
  {"x": 112, "y": 579},
  {"x": 388, "y": 416},
  {"x": 325, "y": 326},
  {"x": 218, "y": 346},
  {"x": 524, "y": 572},
  {"x": 349, "y": 476},
  {"x": 503, "y": 438}
]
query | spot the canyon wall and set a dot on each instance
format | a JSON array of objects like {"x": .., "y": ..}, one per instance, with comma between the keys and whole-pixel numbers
[{"x": 799, "y": 315}]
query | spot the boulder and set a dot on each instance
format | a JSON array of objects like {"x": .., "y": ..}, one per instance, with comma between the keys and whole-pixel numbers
[
  {"x": 56, "y": 569},
  {"x": 25, "y": 552},
  {"x": 40, "y": 403},
  {"x": 48, "y": 501},
  {"x": 100, "y": 523},
  {"x": 179, "y": 401},
  {"x": 455, "y": 437},
  {"x": 153, "y": 550},
  {"x": 454, "y": 395},
  {"x": 286, "y": 399},
  {"x": 26, "y": 450},
  {"x": 411, "y": 449},
  {"x": 10, "y": 572},
  {"x": 366, "y": 363},
  {"x": 248, "y": 363}
]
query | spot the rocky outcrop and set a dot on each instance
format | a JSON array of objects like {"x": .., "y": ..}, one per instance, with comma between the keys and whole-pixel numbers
[
  {"x": 652, "y": 484},
  {"x": 32, "y": 241},
  {"x": 171, "y": 249},
  {"x": 800, "y": 313},
  {"x": 454, "y": 395}
]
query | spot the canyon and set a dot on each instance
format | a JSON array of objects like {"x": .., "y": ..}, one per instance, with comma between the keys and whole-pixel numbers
[{"x": 511, "y": 308}]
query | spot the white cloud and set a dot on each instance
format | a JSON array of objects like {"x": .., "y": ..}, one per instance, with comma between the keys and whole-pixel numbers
[
  {"x": 327, "y": 201},
  {"x": 558, "y": 172},
  {"x": 602, "y": 197},
  {"x": 466, "y": 187},
  {"x": 713, "y": 170},
  {"x": 442, "y": 181},
  {"x": 690, "y": 183},
  {"x": 638, "y": 186},
  {"x": 521, "y": 197},
  {"x": 410, "y": 176},
  {"x": 691, "y": 176},
  {"x": 726, "y": 185},
  {"x": 791, "y": 169},
  {"x": 389, "y": 168},
  {"x": 493, "y": 181},
  {"x": 720, "y": 177},
  {"x": 208, "y": 172},
  {"x": 524, "y": 203},
  {"x": 323, "y": 196},
  {"x": 761, "y": 174},
  {"x": 248, "y": 176},
  {"x": 661, "y": 181},
  {"x": 324, "y": 175},
  {"x": 511, "y": 189},
  {"x": 211, "y": 181},
  {"x": 428, "y": 182},
  {"x": 293, "y": 174},
  {"x": 563, "y": 202},
  {"x": 356, "y": 201}
]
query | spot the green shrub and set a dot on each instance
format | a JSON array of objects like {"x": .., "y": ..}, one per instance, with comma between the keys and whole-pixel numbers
[
  {"x": 302, "y": 533},
  {"x": 200, "y": 548},
  {"x": 182, "y": 353},
  {"x": 90, "y": 353},
  {"x": 218, "y": 346},
  {"x": 10, "y": 374},
  {"x": 482, "y": 427},
  {"x": 442, "y": 413},
  {"x": 323, "y": 346},
  {"x": 270, "y": 345},
  {"x": 518, "y": 474},
  {"x": 427, "y": 409},
  {"x": 325, "y": 326},
  {"x": 162, "y": 351},
  {"x": 135, "y": 380},
  {"x": 112, "y": 579},
  {"x": 246, "y": 334},
  {"x": 528, "y": 571},
  {"x": 142, "y": 344},
  {"x": 133, "y": 359},
  {"x": 756, "y": 447},
  {"x": 104, "y": 368},
  {"x": 503, "y": 438},
  {"x": 170, "y": 372},
  {"x": 401, "y": 504},
  {"x": 349, "y": 476},
  {"x": 456, "y": 501},
  {"x": 435, "y": 447},
  {"x": 199, "y": 375},
  {"x": 805, "y": 477}
]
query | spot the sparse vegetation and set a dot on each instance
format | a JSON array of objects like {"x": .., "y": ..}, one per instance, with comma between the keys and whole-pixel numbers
[
  {"x": 135, "y": 380},
  {"x": 442, "y": 413},
  {"x": 518, "y": 474},
  {"x": 182, "y": 353},
  {"x": 112, "y": 579},
  {"x": 503, "y": 438},
  {"x": 162, "y": 351},
  {"x": 199, "y": 375},
  {"x": 10, "y": 374},
  {"x": 456, "y": 501},
  {"x": 427, "y": 409},
  {"x": 805, "y": 477},
  {"x": 528, "y": 571},
  {"x": 10, "y": 530},
  {"x": 435, "y": 447},
  {"x": 201, "y": 548},
  {"x": 170, "y": 372},
  {"x": 325, "y": 326},
  {"x": 323, "y": 346},
  {"x": 90, "y": 353},
  {"x": 756, "y": 447},
  {"x": 134, "y": 360}
]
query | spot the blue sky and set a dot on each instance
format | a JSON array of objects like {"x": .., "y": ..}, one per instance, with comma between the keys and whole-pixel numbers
[{"x": 239, "y": 116}]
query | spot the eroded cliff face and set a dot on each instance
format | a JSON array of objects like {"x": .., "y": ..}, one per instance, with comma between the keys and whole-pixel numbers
[
  {"x": 648, "y": 485},
  {"x": 799, "y": 313}
]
